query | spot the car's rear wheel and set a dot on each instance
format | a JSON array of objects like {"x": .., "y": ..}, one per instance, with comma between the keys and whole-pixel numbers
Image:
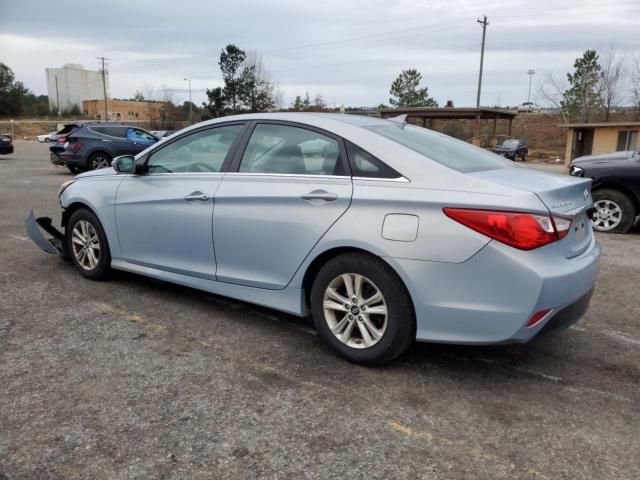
[
  {"x": 362, "y": 310},
  {"x": 99, "y": 160},
  {"x": 87, "y": 245},
  {"x": 614, "y": 211}
]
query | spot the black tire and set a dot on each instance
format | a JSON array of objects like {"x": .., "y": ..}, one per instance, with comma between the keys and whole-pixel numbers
[
  {"x": 620, "y": 199},
  {"x": 400, "y": 329},
  {"x": 524, "y": 157},
  {"x": 46, "y": 140},
  {"x": 102, "y": 266},
  {"x": 74, "y": 169},
  {"x": 98, "y": 160}
]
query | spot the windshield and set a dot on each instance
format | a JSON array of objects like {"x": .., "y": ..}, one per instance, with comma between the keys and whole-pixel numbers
[
  {"x": 448, "y": 151},
  {"x": 510, "y": 143}
]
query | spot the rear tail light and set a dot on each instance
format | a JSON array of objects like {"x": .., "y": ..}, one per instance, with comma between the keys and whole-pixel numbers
[
  {"x": 75, "y": 146},
  {"x": 525, "y": 231},
  {"x": 6, "y": 139},
  {"x": 62, "y": 139}
]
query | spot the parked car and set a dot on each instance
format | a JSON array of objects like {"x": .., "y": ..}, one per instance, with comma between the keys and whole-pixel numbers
[
  {"x": 528, "y": 107},
  {"x": 387, "y": 234},
  {"x": 93, "y": 146},
  {"x": 616, "y": 188},
  {"x": 46, "y": 138},
  {"x": 162, "y": 133},
  {"x": 512, "y": 148},
  {"x": 6, "y": 144}
]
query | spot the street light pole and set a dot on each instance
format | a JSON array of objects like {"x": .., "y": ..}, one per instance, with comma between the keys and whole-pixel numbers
[
  {"x": 190, "y": 103},
  {"x": 531, "y": 73}
]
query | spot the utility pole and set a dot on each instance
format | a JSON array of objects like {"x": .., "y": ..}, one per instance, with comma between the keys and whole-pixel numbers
[
  {"x": 104, "y": 89},
  {"x": 531, "y": 73},
  {"x": 190, "y": 103},
  {"x": 484, "y": 24},
  {"x": 57, "y": 98}
]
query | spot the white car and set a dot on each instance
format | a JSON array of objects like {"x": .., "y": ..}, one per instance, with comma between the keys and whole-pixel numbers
[
  {"x": 46, "y": 138},
  {"x": 528, "y": 107}
]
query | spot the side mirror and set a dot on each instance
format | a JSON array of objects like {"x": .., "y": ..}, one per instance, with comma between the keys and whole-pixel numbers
[{"x": 124, "y": 164}]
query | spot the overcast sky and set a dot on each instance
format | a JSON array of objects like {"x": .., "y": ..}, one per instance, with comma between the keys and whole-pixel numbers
[{"x": 349, "y": 51}]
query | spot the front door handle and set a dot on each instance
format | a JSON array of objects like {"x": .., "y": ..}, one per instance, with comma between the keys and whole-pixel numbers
[
  {"x": 320, "y": 195},
  {"x": 203, "y": 197}
]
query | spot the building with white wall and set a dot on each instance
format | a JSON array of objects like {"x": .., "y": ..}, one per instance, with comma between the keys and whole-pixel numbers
[{"x": 72, "y": 84}]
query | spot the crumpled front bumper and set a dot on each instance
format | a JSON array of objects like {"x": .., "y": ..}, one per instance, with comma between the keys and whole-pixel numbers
[{"x": 55, "y": 244}]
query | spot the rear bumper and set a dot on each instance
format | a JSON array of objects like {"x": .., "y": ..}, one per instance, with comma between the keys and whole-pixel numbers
[
  {"x": 55, "y": 159},
  {"x": 54, "y": 244},
  {"x": 489, "y": 298},
  {"x": 6, "y": 149}
]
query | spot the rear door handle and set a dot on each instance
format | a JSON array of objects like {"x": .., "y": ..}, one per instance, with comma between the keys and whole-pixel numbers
[
  {"x": 320, "y": 195},
  {"x": 203, "y": 197}
]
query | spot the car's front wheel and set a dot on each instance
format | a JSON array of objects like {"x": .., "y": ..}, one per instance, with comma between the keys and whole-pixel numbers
[
  {"x": 613, "y": 211},
  {"x": 98, "y": 160},
  {"x": 87, "y": 245},
  {"x": 362, "y": 309}
]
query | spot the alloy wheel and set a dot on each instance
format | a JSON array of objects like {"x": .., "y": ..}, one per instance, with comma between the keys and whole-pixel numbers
[
  {"x": 355, "y": 310},
  {"x": 607, "y": 215},
  {"x": 99, "y": 161},
  {"x": 86, "y": 245}
]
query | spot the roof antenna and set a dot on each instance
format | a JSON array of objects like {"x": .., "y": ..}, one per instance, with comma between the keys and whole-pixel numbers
[{"x": 401, "y": 120}]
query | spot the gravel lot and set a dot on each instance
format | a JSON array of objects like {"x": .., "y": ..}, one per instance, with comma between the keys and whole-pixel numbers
[{"x": 135, "y": 378}]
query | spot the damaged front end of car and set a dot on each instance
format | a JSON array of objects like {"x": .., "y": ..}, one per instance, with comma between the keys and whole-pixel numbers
[{"x": 54, "y": 244}]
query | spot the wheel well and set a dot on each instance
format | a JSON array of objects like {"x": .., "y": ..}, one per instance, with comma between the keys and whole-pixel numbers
[
  {"x": 66, "y": 214},
  {"x": 622, "y": 189},
  {"x": 317, "y": 263}
]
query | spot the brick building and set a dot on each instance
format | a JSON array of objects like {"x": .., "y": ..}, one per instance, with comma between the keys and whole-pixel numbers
[{"x": 123, "y": 110}]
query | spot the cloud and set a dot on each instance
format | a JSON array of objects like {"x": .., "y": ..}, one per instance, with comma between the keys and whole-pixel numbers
[{"x": 347, "y": 51}]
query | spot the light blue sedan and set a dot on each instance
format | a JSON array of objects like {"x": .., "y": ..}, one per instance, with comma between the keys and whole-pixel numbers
[{"x": 383, "y": 231}]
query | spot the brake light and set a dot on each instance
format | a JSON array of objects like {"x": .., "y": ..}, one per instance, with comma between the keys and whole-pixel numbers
[
  {"x": 6, "y": 139},
  {"x": 62, "y": 139},
  {"x": 74, "y": 147},
  {"x": 525, "y": 231}
]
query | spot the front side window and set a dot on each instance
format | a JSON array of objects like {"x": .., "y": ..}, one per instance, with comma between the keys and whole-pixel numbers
[
  {"x": 443, "y": 149},
  {"x": 203, "y": 151},
  {"x": 141, "y": 136},
  {"x": 282, "y": 149}
]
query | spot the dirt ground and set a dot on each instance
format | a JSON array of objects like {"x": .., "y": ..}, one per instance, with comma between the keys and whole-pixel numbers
[{"x": 138, "y": 379}]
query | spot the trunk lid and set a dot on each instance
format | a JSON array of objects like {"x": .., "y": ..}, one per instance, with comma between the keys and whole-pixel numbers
[{"x": 563, "y": 195}]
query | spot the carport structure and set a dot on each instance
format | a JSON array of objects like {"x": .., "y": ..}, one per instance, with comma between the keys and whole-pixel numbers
[{"x": 426, "y": 115}]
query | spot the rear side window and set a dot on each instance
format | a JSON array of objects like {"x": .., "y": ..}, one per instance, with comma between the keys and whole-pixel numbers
[
  {"x": 363, "y": 164},
  {"x": 443, "y": 149},
  {"x": 118, "y": 132},
  {"x": 283, "y": 149}
]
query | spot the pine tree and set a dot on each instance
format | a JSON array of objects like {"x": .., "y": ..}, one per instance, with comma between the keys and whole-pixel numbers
[
  {"x": 405, "y": 91},
  {"x": 583, "y": 98}
]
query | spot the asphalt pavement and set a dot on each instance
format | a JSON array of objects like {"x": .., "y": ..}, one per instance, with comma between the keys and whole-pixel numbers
[{"x": 139, "y": 379}]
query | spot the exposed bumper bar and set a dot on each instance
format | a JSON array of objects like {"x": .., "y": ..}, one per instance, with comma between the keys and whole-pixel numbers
[{"x": 52, "y": 245}]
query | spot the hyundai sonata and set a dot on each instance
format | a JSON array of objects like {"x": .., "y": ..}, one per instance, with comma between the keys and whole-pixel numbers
[{"x": 384, "y": 232}]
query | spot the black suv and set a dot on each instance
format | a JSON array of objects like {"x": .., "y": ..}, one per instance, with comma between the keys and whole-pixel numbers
[
  {"x": 512, "y": 148},
  {"x": 94, "y": 145},
  {"x": 615, "y": 190}
]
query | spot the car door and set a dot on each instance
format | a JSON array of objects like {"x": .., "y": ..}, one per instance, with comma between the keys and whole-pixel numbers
[
  {"x": 139, "y": 139},
  {"x": 164, "y": 215},
  {"x": 284, "y": 191}
]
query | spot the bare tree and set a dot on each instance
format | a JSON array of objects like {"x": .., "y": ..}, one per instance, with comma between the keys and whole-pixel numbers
[
  {"x": 551, "y": 91},
  {"x": 634, "y": 78},
  {"x": 611, "y": 80}
]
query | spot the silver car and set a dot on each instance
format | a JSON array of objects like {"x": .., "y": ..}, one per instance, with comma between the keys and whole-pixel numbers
[{"x": 384, "y": 232}]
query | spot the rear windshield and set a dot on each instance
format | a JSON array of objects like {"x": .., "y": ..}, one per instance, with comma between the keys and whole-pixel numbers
[
  {"x": 510, "y": 143},
  {"x": 448, "y": 151}
]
